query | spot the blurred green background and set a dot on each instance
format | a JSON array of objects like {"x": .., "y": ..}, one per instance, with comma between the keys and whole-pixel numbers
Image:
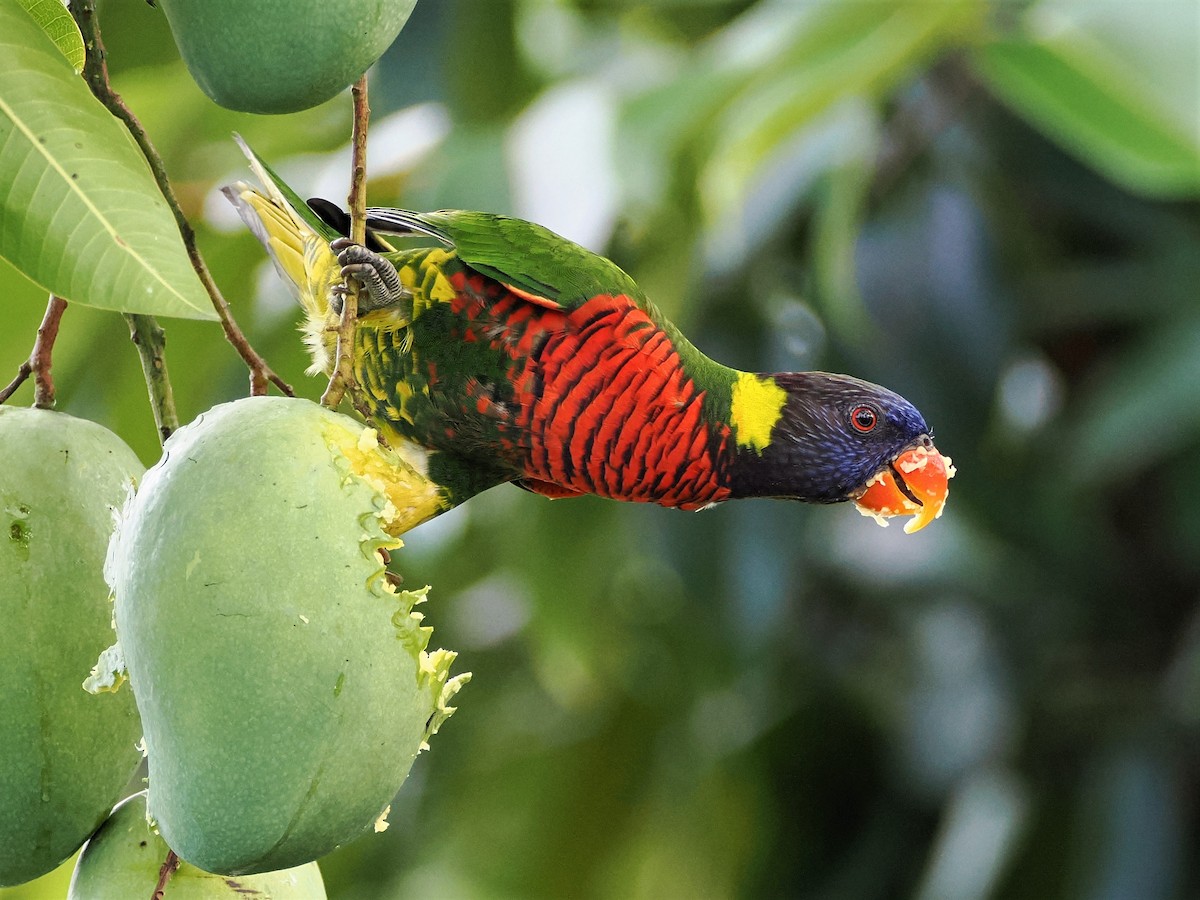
[{"x": 989, "y": 207}]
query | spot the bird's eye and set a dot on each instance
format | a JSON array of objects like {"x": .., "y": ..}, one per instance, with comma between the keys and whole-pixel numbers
[{"x": 863, "y": 418}]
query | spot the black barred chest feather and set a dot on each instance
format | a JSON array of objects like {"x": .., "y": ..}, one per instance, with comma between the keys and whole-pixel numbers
[
  {"x": 443, "y": 377},
  {"x": 591, "y": 400}
]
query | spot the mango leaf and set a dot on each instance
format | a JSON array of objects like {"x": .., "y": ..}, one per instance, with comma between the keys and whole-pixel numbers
[
  {"x": 80, "y": 213},
  {"x": 1078, "y": 73},
  {"x": 54, "y": 19}
]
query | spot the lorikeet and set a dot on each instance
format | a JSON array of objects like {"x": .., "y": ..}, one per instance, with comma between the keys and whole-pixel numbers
[{"x": 510, "y": 354}]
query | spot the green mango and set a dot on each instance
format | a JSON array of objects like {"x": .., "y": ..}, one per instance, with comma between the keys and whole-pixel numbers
[
  {"x": 65, "y": 755},
  {"x": 124, "y": 858},
  {"x": 283, "y": 681},
  {"x": 263, "y": 56}
]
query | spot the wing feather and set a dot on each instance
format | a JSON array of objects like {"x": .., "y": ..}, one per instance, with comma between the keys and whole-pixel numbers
[{"x": 532, "y": 260}]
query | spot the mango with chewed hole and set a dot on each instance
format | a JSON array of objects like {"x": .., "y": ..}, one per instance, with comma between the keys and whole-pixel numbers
[
  {"x": 125, "y": 858},
  {"x": 283, "y": 680},
  {"x": 65, "y": 755},
  {"x": 264, "y": 56}
]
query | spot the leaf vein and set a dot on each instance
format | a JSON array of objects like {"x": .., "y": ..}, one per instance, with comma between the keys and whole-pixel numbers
[{"x": 73, "y": 187}]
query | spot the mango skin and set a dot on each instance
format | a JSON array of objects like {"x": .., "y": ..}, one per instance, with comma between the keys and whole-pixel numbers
[
  {"x": 124, "y": 857},
  {"x": 264, "y": 56},
  {"x": 65, "y": 755},
  {"x": 283, "y": 685}
]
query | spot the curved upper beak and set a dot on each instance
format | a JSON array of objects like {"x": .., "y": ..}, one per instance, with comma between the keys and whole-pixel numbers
[{"x": 914, "y": 484}]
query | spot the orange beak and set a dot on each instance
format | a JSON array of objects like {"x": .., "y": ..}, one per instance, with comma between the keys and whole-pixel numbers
[{"x": 914, "y": 484}]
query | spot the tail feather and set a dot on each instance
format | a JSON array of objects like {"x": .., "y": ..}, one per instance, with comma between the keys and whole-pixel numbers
[{"x": 298, "y": 243}]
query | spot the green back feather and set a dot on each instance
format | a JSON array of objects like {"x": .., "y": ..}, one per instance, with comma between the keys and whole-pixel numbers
[{"x": 518, "y": 253}]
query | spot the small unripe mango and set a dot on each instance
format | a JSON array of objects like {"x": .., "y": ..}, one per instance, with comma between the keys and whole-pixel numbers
[
  {"x": 65, "y": 755},
  {"x": 264, "y": 56},
  {"x": 124, "y": 858},
  {"x": 283, "y": 682}
]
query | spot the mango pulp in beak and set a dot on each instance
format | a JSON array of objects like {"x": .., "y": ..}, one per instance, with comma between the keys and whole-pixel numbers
[{"x": 914, "y": 484}]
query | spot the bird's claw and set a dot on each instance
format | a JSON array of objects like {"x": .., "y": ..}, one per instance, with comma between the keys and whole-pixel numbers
[
  {"x": 378, "y": 277},
  {"x": 337, "y": 297}
]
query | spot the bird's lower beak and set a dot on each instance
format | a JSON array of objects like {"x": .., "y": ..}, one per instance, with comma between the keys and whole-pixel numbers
[{"x": 914, "y": 484}]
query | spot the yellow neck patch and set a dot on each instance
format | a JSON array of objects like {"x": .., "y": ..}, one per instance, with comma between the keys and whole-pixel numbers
[{"x": 754, "y": 409}]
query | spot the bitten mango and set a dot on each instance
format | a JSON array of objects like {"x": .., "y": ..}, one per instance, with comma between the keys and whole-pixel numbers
[{"x": 284, "y": 684}]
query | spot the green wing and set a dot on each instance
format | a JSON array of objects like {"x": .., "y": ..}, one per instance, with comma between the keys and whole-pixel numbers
[{"x": 520, "y": 254}]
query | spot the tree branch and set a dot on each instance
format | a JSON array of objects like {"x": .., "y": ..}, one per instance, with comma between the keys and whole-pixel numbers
[
  {"x": 39, "y": 361},
  {"x": 95, "y": 72},
  {"x": 342, "y": 379}
]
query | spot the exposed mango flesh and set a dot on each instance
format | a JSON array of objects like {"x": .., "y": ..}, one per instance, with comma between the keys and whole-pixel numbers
[
  {"x": 915, "y": 484},
  {"x": 285, "y": 685}
]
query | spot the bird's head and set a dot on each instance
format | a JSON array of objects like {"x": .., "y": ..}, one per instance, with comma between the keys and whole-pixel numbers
[{"x": 836, "y": 438}]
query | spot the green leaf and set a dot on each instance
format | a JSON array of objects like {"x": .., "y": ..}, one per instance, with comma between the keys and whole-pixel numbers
[
  {"x": 1076, "y": 82},
  {"x": 81, "y": 214},
  {"x": 54, "y": 19}
]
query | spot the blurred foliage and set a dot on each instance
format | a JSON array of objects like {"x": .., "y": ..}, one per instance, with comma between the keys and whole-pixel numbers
[{"x": 990, "y": 207}]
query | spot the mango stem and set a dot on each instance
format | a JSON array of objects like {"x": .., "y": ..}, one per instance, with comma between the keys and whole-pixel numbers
[
  {"x": 38, "y": 363},
  {"x": 170, "y": 864}
]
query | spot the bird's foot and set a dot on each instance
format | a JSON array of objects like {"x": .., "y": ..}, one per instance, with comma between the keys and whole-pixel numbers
[{"x": 377, "y": 276}]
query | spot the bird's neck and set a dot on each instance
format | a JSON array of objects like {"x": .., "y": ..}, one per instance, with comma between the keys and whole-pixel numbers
[
  {"x": 743, "y": 410},
  {"x": 747, "y": 404}
]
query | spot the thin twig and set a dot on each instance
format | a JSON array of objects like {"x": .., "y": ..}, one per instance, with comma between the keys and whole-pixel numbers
[
  {"x": 39, "y": 361},
  {"x": 95, "y": 71},
  {"x": 170, "y": 864},
  {"x": 357, "y": 198},
  {"x": 342, "y": 379},
  {"x": 23, "y": 371},
  {"x": 149, "y": 338}
]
